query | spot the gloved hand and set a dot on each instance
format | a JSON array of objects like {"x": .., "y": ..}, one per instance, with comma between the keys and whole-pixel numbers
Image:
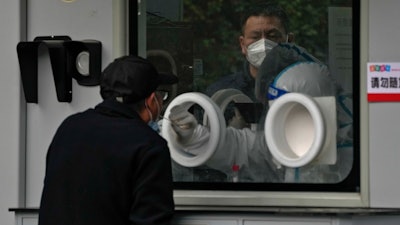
[
  {"x": 183, "y": 123},
  {"x": 237, "y": 120}
]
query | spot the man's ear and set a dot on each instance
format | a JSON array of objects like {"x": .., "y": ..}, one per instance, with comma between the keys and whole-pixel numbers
[
  {"x": 291, "y": 37},
  {"x": 150, "y": 99},
  {"x": 242, "y": 46}
]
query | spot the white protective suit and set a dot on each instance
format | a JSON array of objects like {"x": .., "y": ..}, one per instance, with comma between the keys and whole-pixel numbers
[{"x": 247, "y": 148}]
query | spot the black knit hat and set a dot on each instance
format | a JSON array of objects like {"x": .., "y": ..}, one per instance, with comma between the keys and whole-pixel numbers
[{"x": 132, "y": 78}]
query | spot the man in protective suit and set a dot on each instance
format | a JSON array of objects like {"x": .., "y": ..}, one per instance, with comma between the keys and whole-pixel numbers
[{"x": 245, "y": 148}]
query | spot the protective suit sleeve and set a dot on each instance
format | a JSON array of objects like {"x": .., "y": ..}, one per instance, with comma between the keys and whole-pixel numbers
[
  {"x": 236, "y": 149},
  {"x": 199, "y": 137}
]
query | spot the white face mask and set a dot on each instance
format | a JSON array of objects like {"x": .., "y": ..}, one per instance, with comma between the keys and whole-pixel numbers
[{"x": 257, "y": 51}]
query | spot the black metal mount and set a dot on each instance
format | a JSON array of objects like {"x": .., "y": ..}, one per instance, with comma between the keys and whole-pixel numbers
[{"x": 63, "y": 54}]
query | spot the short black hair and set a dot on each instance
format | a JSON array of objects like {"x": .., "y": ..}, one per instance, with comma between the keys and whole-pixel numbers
[{"x": 266, "y": 9}]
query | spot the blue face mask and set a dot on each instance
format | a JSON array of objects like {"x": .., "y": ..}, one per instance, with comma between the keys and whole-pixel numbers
[{"x": 154, "y": 125}]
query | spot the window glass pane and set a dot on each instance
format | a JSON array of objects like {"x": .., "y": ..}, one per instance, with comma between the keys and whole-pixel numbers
[{"x": 244, "y": 56}]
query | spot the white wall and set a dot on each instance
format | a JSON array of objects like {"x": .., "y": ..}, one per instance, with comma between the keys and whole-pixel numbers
[
  {"x": 384, "y": 122},
  {"x": 89, "y": 19},
  {"x": 11, "y": 110},
  {"x": 23, "y": 20}
]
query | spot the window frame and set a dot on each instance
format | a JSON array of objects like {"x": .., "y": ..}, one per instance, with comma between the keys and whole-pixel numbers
[{"x": 352, "y": 191}]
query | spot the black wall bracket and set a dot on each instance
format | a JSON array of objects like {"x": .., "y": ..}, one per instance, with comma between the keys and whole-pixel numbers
[{"x": 69, "y": 59}]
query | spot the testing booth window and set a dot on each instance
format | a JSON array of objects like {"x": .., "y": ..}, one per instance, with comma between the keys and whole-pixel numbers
[{"x": 245, "y": 56}]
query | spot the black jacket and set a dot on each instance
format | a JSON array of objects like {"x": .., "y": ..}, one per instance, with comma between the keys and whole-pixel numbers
[
  {"x": 240, "y": 80},
  {"x": 107, "y": 166}
]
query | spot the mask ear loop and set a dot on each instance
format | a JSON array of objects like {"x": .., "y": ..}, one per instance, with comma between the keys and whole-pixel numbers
[
  {"x": 148, "y": 110},
  {"x": 158, "y": 107}
]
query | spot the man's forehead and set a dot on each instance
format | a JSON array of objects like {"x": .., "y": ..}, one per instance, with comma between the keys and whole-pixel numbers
[{"x": 263, "y": 23}]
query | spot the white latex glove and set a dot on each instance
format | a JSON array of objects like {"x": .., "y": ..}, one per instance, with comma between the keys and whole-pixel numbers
[
  {"x": 237, "y": 120},
  {"x": 183, "y": 123}
]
